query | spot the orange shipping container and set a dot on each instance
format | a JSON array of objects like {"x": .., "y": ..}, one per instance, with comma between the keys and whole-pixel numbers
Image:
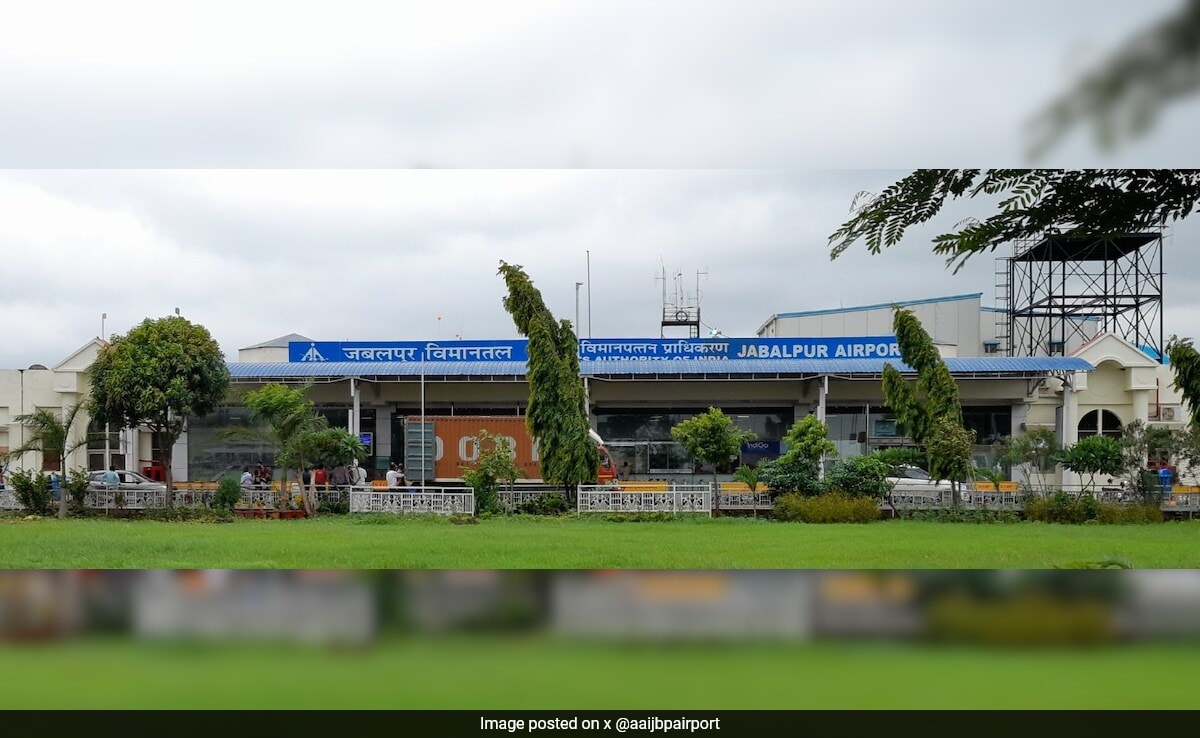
[{"x": 455, "y": 448}]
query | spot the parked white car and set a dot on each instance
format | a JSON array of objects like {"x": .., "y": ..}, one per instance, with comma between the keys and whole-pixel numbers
[
  {"x": 913, "y": 482},
  {"x": 130, "y": 482}
]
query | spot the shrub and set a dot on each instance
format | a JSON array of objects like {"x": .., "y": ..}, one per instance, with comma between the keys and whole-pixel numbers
[
  {"x": 860, "y": 476},
  {"x": 640, "y": 517},
  {"x": 551, "y": 503},
  {"x": 189, "y": 515},
  {"x": 1032, "y": 619},
  {"x": 334, "y": 507},
  {"x": 32, "y": 491},
  {"x": 228, "y": 494},
  {"x": 1129, "y": 514},
  {"x": 75, "y": 488},
  {"x": 962, "y": 515},
  {"x": 790, "y": 475},
  {"x": 827, "y": 508},
  {"x": 1061, "y": 508}
]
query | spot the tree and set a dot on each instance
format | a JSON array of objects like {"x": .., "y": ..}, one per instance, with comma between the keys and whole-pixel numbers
[
  {"x": 1124, "y": 94},
  {"x": 808, "y": 440},
  {"x": 1033, "y": 452},
  {"x": 158, "y": 375},
  {"x": 293, "y": 424},
  {"x": 712, "y": 437},
  {"x": 1139, "y": 444},
  {"x": 51, "y": 436},
  {"x": 1093, "y": 455},
  {"x": 949, "y": 448},
  {"x": 1032, "y": 202},
  {"x": 557, "y": 414},
  {"x": 929, "y": 412},
  {"x": 1185, "y": 362},
  {"x": 495, "y": 466}
]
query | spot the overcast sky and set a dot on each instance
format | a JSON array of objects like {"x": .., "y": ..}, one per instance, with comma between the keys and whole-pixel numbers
[
  {"x": 382, "y": 255},
  {"x": 118, "y": 122}
]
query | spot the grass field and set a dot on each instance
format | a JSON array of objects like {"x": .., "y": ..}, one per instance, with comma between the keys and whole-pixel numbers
[
  {"x": 541, "y": 673},
  {"x": 386, "y": 542}
]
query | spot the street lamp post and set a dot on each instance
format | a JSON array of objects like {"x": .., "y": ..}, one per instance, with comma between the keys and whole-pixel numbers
[{"x": 577, "y": 286}]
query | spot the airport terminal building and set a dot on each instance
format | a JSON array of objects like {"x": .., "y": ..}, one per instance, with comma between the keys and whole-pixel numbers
[{"x": 827, "y": 363}]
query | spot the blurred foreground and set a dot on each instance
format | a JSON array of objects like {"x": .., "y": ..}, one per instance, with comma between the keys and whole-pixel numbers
[
  {"x": 600, "y": 639},
  {"x": 1053, "y": 607}
]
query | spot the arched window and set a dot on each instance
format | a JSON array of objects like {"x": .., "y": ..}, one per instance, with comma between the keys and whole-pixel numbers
[{"x": 1100, "y": 423}]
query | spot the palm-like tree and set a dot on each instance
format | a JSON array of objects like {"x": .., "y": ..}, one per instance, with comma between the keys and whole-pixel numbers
[{"x": 51, "y": 435}]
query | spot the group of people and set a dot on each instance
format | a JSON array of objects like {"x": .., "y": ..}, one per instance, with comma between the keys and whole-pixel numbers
[
  {"x": 260, "y": 475},
  {"x": 340, "y": 476}
]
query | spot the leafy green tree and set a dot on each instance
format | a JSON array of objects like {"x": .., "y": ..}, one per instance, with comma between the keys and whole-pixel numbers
[
  {"x": 1185, "y": 363},
  {"x": 929, "y": 411},
  {"x": 808, "y": 440},
  {"x": 1031, "y": 202},
  {"x": 747, "y": 475},
  {"x": 791, "y": 475},
  {"x": 50, "y": 435},
  {"x": 299, "y": 434},
  {"x": 1093, "y": 455},
  {"x": 712, "y": 437},
  {"x": 949, "y": 448},
  {"x": 1123, "y": 95},
  {"x": 158, "y": 375},
  {"x": 859, "y": 476},
  {"x": 1139, "y": 444},
  {"x": 1034, "y": 453},
  {"x": 896, "y": 459},
  {"x": 495, "y": 467},
  {"x": 557, "y": 415}
]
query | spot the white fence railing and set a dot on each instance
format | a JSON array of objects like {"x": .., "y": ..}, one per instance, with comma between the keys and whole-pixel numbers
[
  {"x": 413, "y": 500},
  {"x": 677, "y": 498},
  {"x": 739, "y": 500}
]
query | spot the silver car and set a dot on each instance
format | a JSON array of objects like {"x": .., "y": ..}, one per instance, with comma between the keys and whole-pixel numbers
[
  {"x": 913, "y": 484},
  {"x": 130, "y": 482}
]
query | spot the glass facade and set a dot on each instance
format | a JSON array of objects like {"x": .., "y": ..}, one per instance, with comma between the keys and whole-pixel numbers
[
  {"x": 641, "y": 444},
  {"x": 216, "y": 451}
]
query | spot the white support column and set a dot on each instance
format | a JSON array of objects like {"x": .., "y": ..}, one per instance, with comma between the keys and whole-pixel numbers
[
  {"x": 824, "y": 392},
  {"x": 1070, "y": 413},
  {"x": 355, "y": 415}
]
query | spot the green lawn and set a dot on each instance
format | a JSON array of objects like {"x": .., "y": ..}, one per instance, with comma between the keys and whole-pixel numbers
[
  {"x": 541, "y": 673},
  {"x": 384, "y": 542}
]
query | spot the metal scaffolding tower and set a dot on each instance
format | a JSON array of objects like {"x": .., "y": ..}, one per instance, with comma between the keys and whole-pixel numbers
[{"x": 1064, "y": 289}]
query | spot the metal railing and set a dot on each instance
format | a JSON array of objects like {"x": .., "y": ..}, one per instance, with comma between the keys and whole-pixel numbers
[
  {"x": 413, "y": 500},
  {"x": 676, "y": 498}
]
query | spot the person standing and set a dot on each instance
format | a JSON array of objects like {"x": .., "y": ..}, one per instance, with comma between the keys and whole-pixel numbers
[
  {"x": 110, "y": 477},
  {"x": 340, "y": 476},
  {"x": 358, "y": 474},
  {"x": 394, "y": 477},
  {"x": 247, "y": 478},
  {"x": 320, "y": 476}
]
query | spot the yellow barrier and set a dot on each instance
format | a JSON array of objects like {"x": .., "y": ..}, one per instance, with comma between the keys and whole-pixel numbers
[{"x": 643, "y": 486}]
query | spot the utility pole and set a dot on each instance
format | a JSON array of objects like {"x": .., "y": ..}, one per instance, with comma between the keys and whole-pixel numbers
[{"x": 577, "y": 286}]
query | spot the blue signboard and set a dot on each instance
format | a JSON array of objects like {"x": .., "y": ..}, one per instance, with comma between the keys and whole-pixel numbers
[
  {"x": 761, "y": 447},
  {"x": 407, "y": 351},
  {"x": 601, "y": 349},
  {"x": 367, "y": 439}
]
